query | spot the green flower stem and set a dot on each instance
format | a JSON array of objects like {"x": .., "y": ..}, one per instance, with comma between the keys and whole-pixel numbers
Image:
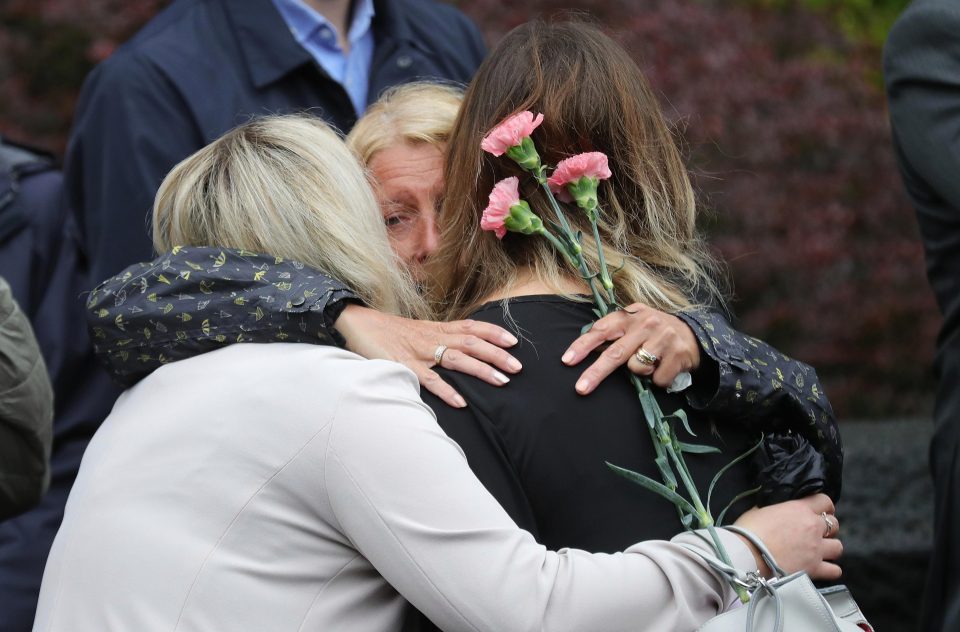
[
  {"x": 652, "y": 412},
  {"x": 725, "y": 558},
  {"x": 577, "y": 251},
  {"x": 604, "y": 272},
  {"x": 560, "y": 247},
  {"x": 542, "y": 179}
]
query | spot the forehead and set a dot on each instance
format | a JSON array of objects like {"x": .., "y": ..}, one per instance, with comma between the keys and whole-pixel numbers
[{"x": 417, "y": 165}]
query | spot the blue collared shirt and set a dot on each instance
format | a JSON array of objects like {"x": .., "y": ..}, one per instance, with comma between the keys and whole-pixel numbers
[{"x": 319, "y": 37}]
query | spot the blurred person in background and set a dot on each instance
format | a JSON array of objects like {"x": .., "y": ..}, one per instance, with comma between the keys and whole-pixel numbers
[
  {"x": 199, "y": 68},
  {"x": 922, "y": 73},
  {"x": 43, "y": 262},
  {"x": 26, "y": 412}
]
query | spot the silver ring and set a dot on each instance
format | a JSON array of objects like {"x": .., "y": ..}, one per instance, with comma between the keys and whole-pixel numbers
[
  {"x": 828, "y": 524},
  {"x": 438, "y": 354},
  {"x": 645, "y": 357}
]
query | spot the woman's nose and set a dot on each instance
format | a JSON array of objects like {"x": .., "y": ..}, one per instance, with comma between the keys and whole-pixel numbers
[{"x": 429, "y": 236}]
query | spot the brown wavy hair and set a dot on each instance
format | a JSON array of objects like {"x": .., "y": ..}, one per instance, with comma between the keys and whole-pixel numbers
[{"x": 593, "y": 98}]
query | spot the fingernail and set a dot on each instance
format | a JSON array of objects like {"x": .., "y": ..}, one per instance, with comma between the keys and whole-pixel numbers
[
  {"x": 460, "y": 401},
  {"x": 583, "y": 385},
  {"x": 500, "y": 377},
  {"x": 567, "y": 357},
  {"x": 509, "y": 339},
  {"x": 514, "y": 364}
]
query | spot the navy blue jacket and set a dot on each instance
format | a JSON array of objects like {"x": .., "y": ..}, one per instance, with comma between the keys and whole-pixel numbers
[
  {"x": 203, "y": 66},
  {"x": 41, "y": 258}
]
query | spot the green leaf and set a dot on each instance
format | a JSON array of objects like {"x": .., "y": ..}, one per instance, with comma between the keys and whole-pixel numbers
[
  {"x": 665, "y": 471},
  {"x": 681, "y": 414},
  {"x": 735, "y": 500},
  {"x": 586, "y": 328},
  {"x": 649, "y": 412},
  {"x": 597, "y": 312},
  {"x": 644, "y": 481},
  {"x": 694, "y": 448},
  {"x": 726, "y": 467}
]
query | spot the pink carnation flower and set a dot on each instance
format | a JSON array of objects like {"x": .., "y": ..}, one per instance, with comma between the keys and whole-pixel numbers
[
  {"x": 505, "y": 194},
  {"x": 591, "y": 164},
  {"x": 510, "y": 133}
]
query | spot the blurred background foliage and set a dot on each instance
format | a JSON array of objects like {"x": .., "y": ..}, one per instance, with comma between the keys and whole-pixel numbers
[{"x": 779, "y": 105}]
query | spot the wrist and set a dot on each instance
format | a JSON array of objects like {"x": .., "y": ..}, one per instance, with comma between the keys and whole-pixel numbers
[
  {"x": 762, "y": 567},
  {"x": 352, "y": 321}
]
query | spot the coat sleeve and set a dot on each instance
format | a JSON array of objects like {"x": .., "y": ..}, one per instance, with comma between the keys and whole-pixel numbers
[
  {"x": 402, "y": 492},
  {"x": 751, "y": 383},
  {"x": 132, "y": 126},
  {"x": 26, "y": 412}
]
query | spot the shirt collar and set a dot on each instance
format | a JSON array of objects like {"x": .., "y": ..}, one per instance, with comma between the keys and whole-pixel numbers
[
  {"x": 270, "y": 50},
  {"x": 304, "y": 21}
]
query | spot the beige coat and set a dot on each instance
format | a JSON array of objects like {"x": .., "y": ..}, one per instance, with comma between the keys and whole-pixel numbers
[{"x": 294, "y": 487}]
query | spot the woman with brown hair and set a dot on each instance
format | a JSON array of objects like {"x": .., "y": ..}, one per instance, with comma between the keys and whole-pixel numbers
[{"x": 537, "y": 446}]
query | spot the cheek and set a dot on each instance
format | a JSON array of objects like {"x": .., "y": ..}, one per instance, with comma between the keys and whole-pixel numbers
[{"x": 404, "y": 246}]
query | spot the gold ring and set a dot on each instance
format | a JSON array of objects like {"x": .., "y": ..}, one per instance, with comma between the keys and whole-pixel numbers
[
  {"x": 645, "y": 357},
  {"x": 438, "y": 354},
  {"x": 828, "y": 524}
]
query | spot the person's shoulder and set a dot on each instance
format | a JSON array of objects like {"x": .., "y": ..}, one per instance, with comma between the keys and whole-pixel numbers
[
  {"x": 177, "y": 31},
  {"x": 926, "y": 31},
  {"x": 921, "y": 19},
  {"x": 176, "y": 20},
  {"x": 431, "y": 10},
  {"x": 309, "y": 368},
  {"x": 437, "y": 22},
  {"x": 924, "y": 10}
]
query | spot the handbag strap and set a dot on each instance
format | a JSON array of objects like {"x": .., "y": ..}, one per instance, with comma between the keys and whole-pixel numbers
[
  {"x": 771, "y": 589},
  {"x": 752, "y": 582},
  {"x": 761, "y": 547}
]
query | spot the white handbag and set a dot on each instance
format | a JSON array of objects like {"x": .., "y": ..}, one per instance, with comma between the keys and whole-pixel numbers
[{"x": 785, "y": 603}]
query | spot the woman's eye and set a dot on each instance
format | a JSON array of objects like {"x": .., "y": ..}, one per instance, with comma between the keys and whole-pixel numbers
[{"x": 399, "y": 221}]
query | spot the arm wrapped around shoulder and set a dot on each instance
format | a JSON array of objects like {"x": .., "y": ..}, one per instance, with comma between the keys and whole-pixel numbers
[{"x": 403, "y": 494}]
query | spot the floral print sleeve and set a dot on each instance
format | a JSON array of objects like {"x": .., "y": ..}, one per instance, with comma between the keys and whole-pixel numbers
[
  {"x": 193, "y": 300},
  {"x": 761, "y": 387}
]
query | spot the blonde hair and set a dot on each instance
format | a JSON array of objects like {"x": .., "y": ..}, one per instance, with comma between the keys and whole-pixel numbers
[
  {"x": 415, "y": 113},
  {"x": 286, "y": 186},
  {"x": 593, "y": 98}
]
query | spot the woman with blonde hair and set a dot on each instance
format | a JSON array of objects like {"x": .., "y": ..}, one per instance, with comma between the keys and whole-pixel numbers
[
  {"x": 402, "y": 139},
  {"x": 298, "y": 486}
]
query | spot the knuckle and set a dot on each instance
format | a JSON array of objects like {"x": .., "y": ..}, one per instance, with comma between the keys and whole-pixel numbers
[
  {"x": 470, "y": 340},
  {"x": 468, "y": 325},
  {"x": 615, "y": 353}
]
